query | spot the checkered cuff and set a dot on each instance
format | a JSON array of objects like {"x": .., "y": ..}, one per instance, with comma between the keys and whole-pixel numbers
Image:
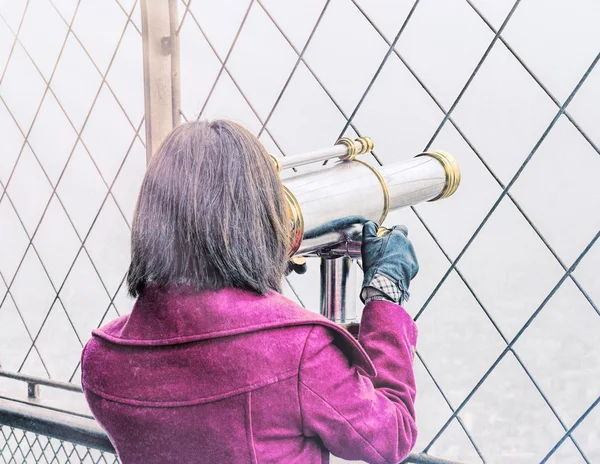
[
  {"x": 386, "y": 286},
  {"x": 382, "y": 288}
]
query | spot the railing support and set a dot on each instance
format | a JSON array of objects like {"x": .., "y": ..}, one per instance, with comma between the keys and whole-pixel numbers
[{"x": 161, "y": 70}]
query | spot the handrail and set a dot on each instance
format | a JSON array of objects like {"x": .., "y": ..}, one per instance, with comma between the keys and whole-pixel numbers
[
  {"x": 61, "y": 425},
  {"x": 423, "y": 458},
  {"x": 32, "y": 382},
  {"x": 31, "y": 416}
]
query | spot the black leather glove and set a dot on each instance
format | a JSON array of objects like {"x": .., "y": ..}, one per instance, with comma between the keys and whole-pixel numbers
[{"x": 389, "y": 262}]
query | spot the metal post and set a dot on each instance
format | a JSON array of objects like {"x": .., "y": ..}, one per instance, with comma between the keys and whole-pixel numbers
[
  {"x": 33, "y": 391},
  {"x": 337, "y": 277},
  {"x": 161, "y": 70}
]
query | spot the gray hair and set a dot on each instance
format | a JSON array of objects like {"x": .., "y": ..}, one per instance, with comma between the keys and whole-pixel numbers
[{"x": 211, "y": 213}]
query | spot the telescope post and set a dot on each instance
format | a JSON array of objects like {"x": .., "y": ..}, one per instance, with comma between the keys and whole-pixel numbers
[{"x": 338, "y": 284}]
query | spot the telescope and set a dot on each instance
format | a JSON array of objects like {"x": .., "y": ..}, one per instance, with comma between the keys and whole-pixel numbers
[{"x": 328, "y": 207}]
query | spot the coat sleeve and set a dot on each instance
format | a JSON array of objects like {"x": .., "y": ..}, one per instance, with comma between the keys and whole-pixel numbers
[{"x": 356, "y": 416}]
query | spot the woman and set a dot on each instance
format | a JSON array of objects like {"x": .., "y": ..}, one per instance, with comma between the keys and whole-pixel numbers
[{"x": 214, "y": 365}]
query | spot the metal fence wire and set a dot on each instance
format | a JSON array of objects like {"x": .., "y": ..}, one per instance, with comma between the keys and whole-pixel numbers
[
  {"x": 72, "y": 119},
  {"x": 17, "y": 446}
]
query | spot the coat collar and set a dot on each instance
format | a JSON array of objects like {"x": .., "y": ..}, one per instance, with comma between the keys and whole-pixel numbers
[{"x": 175, "y": 316}]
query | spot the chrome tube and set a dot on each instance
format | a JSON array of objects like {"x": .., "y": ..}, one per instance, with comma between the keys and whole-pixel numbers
[
  {"x": 337, "y": 277},
  {"x": 312, "y": 157},
  {"x": 326, "y": 205},
  {"x": 345, "y": 149}
]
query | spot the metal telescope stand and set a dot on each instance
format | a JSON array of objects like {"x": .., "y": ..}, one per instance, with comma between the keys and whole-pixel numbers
[{"x": 338, "y": 284}]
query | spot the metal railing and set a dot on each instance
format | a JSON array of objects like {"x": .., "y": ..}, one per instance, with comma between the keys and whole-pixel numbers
[{"x": 33, "y": 432}]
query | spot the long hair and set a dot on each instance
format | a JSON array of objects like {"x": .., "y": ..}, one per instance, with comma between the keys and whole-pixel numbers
[{"x": 211, "y": 213}]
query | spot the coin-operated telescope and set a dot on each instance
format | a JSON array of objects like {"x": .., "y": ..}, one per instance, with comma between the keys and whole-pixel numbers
[{"x": 328, "y": 207}]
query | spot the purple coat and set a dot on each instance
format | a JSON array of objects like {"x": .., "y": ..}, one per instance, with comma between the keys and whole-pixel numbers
[{"x": 234, "y": 377}]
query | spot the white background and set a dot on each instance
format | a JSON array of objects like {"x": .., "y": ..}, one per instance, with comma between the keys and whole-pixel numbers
[{"x": 72, "y": 157}]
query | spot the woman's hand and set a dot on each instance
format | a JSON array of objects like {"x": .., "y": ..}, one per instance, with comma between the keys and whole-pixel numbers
[{"x": 389, "y": 263}]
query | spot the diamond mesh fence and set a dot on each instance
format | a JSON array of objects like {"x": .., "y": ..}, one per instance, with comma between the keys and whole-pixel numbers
[
  {"x": 17, "y": 446},
  {"x": 508, "y": 360},
  {"x": 72, "y": 111}
]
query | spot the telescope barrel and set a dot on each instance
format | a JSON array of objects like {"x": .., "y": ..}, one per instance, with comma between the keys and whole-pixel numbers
[{"x": 326, "y": 205}]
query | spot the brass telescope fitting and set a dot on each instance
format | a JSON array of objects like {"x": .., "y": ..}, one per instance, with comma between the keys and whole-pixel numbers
[
  {"x": 276, "y": 163},
  {"x": 384, "y": 189},
  {"x": 296, "y": 219},
  {"x": 366, "y": 146},
  {"x": 350, "y": 146},
  {"x": 450, "y": 168}
]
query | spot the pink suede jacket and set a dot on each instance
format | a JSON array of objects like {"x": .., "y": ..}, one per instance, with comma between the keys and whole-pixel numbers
[{"x": 233, "y": 377}]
